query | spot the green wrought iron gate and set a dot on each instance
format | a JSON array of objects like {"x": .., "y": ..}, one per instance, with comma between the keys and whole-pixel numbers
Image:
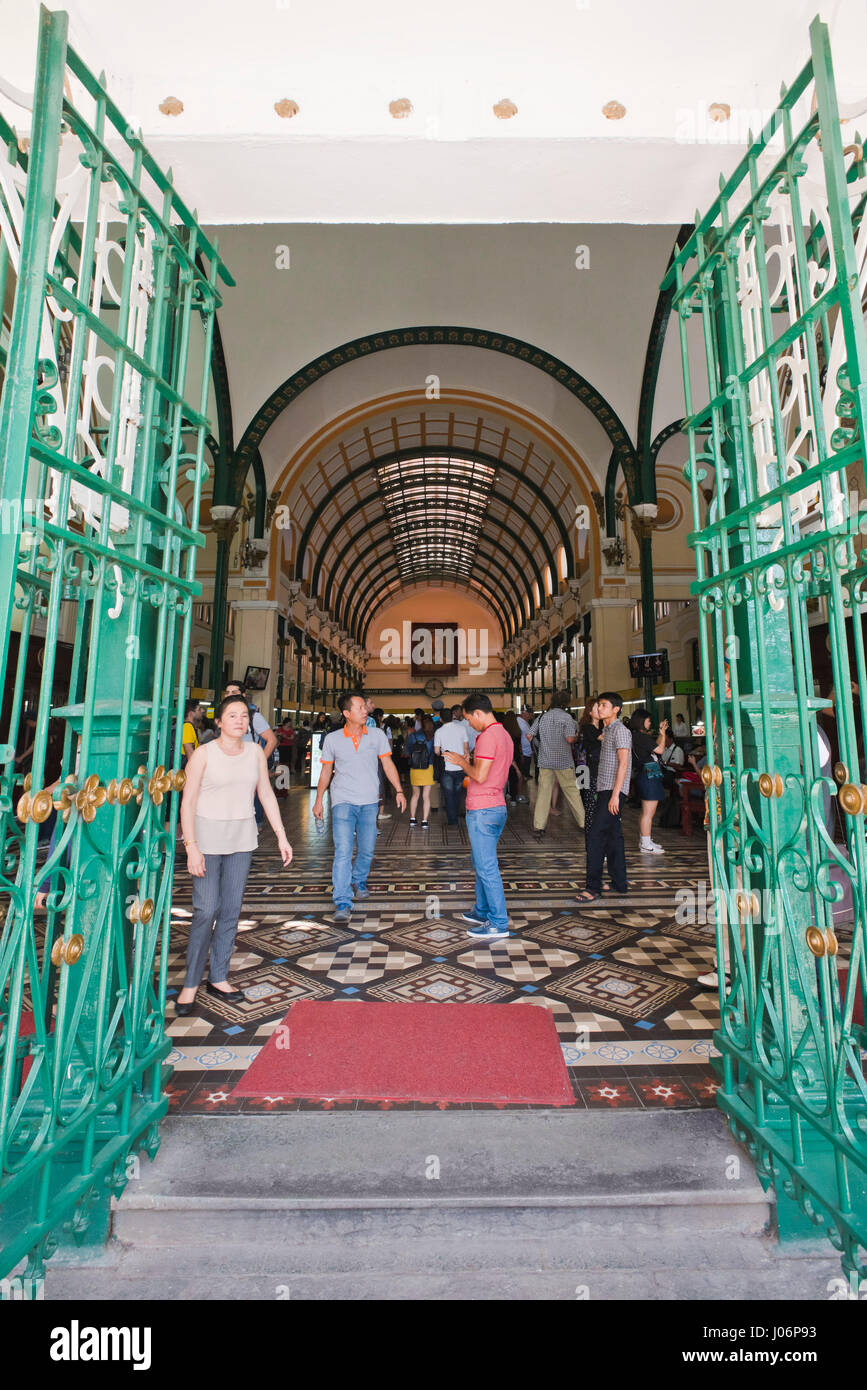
[
  {"x": 102, "y": 429},
  {"x": 769, "y": 292}
]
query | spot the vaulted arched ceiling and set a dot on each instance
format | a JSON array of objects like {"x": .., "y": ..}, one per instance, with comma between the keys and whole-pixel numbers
[{"x": 434, "y": 492}]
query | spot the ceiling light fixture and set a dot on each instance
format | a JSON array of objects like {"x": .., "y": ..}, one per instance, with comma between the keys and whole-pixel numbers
[
  {"x": 172, "y": 106},
  {"x": 719, "y": 111},
  {"x": 286, "y": 108},
  {"x": 505, "y": 110},
  {"x": 401, "y": 108},
  {"x": 614, "y": 111}
]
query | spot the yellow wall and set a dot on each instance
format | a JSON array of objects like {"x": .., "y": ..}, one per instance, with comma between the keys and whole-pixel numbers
[{"x": 432, "y": 606}]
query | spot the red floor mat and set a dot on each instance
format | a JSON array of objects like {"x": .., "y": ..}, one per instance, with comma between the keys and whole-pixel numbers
[{"x": 445, "y": 1053}]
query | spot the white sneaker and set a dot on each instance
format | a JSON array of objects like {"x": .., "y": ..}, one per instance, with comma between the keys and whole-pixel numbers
[
  {"x": 384, "y": 815},
  {"x": 711, "y": 980},
  {"x": 650, "y": 848}
]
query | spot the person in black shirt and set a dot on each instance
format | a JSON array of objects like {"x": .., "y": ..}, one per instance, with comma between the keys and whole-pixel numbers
[
  {"x": 589, "y": 734},
  {"x": 646, "y": 746}
]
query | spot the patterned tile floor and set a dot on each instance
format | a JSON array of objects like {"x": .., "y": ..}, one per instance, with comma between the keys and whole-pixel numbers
[{"x": 620, "y": 980}]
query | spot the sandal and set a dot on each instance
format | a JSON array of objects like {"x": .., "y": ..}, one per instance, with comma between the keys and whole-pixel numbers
[{"x": 587, "y": 897}]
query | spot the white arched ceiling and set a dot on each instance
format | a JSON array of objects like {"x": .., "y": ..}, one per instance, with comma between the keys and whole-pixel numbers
[
  {"x": 349, "y": 282},
  {"x": 460, "y": 370}
]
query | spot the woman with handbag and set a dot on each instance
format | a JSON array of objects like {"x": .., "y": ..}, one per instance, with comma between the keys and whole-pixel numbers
[
  {"x": 649, "y": 783},
  {"x": 420, "y": 751}
]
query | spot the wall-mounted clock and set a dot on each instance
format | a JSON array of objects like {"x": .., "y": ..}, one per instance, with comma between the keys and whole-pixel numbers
[{"x": 433, "y": 688}]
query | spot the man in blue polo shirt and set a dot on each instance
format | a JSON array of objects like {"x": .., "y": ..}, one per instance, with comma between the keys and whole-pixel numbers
[{"x": 351, "y": 758}]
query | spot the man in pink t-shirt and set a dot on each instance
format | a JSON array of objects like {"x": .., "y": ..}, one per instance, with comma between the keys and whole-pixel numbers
[{"x": 486, "y": 814}]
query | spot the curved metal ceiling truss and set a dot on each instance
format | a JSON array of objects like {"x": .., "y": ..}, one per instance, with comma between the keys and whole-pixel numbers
[
  {"x": 504, "y": 601},
  {"x": 491, "y": 591},
  {"x": 419, "y": 454},
  {"x": 385, "y": 540}
]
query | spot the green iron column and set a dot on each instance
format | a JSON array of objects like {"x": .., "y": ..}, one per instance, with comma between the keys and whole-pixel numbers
[
  {"x": 313, "y": 648},
  {"x": 299, "y": 658},
  {"x": 224, "y": 519},
  {"x": 282, "y": 640},
  {"x": 642, "y": 525}
]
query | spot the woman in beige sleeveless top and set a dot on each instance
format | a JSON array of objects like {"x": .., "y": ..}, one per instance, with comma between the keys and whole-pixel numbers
[{"x": 220, "y": 833}]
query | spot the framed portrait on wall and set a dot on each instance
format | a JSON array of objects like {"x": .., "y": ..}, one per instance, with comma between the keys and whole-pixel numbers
[{"x": 433, "y": 650}]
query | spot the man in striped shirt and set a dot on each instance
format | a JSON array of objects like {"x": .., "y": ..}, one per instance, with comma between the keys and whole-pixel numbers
[{"x": 605, "y": 836}]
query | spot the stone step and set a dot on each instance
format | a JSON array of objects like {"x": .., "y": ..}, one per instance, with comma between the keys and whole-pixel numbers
[
  {"x": 569, "y": 1153},
  {"x": 542, "y": 1204},
  {"x": 220, "y": 1177},
  {"x": 208, "y": 1222},
  {"x": 224, "y": 1275}
]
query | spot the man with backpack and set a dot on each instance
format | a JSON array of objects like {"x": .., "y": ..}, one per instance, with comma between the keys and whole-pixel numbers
[
  {"x": 556, "y": 731},
  {"x": 420, "y": 750}
]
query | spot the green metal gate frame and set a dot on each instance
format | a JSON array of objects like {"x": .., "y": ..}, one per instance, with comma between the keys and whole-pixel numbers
[
  {"x": 775, "y": 418},
  {"x": 100, "y": 511}
]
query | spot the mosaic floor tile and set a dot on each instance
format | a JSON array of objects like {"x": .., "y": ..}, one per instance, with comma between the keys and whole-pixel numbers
[
  {"x": 572, "y": 1023},
  {"x": 441, "y": 984},
  {"x": 582, "y": 936},
  {"x": 291, "y": 938},
  {"x": 521, "y": 961},
  {"x": 358, "y": 962},
  {"x": 436, "y": 937},
  {"x": 620, "y": 1018},
  {"x": 663, "y": 1092},
  {"x": 608, "y": 1094},
  {"x": 669, "y": 956},
  {"x": 636, "y": 992},
  {"x": 267, "y": 990},
  {"x": 702, "y": 933},
  {"x": 701, "y": 1014}
]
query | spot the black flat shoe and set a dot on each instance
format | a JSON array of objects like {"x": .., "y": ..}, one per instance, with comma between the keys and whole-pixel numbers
[
  {"x": 184, "y": 1010},
  {"x": 234, "y": 996}
]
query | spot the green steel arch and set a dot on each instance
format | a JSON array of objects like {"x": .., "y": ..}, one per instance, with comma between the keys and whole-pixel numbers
[
  {"x": 676, "y": 427},
  {"x": 436, "y": 336},
  {"x": 647, "y": 451}
]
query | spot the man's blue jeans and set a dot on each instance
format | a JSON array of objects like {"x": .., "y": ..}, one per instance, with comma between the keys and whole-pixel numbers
[
  {"x": 347, "y": 822},
  {"x": 451, "y": 784},
  {"x": 484, "y": 828}
]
